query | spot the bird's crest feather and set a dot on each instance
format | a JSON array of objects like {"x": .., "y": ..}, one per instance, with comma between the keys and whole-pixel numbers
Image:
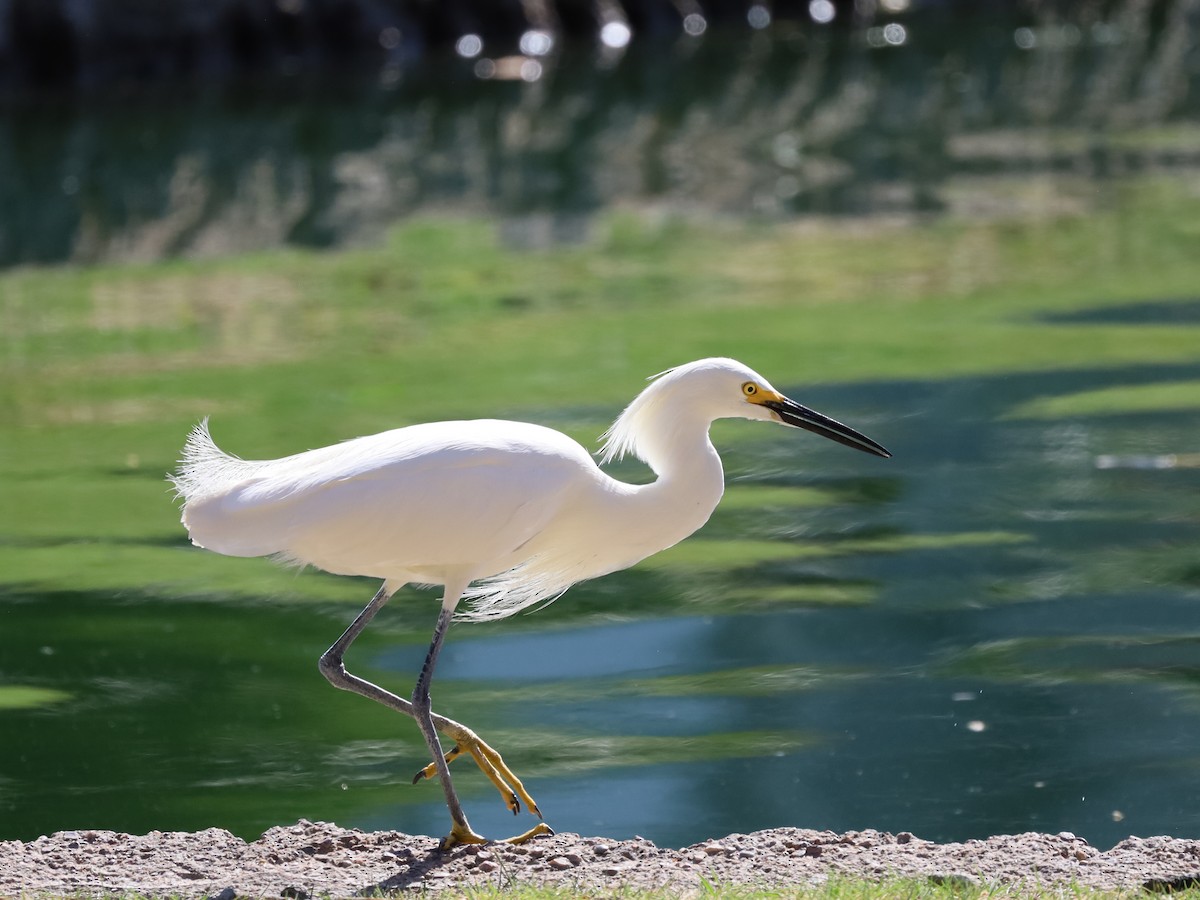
[{"x": 621, "y": 438}]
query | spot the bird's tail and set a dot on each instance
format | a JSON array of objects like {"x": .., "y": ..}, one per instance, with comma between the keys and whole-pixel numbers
[
  {"x": 209, "y": 481},
  {"x": 205, "y": 469}
]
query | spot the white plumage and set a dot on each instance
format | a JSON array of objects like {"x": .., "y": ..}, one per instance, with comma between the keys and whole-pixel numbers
[
  {"x": 423, "y": 504},
  {"x": 504, "y": 514}
]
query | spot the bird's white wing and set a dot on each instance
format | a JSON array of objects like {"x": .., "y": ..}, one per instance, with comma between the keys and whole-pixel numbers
[{"x": 412, "y": 503}]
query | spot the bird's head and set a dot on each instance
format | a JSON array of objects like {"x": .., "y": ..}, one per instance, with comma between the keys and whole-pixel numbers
[
  {"x": 718, "y": 389},
  {"x": 761, "y": 401}
]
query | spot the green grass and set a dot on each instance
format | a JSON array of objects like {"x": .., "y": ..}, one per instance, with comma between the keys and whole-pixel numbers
[
  {"x": 1124, "y": 400},
  {"x": 25, "y": 697}
]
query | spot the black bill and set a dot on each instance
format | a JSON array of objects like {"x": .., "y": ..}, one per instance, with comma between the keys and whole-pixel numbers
[{"x": 792, "y": 413}]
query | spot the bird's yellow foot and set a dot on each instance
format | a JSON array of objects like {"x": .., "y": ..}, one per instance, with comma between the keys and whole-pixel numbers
[
  {"x": 465, "y": 835},
  {"x": 492, "y": 765},
  {"x": 539, "y": 828},
  {"x": 461, "y": 834}
]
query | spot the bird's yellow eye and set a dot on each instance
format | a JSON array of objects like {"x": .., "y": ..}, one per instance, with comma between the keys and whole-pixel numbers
[{"x": 749, "y": 388}]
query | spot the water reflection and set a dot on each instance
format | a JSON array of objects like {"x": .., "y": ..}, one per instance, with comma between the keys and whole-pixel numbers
[
  {"x": 968, "y": 114},
  {"x": 616, "y": 35}
]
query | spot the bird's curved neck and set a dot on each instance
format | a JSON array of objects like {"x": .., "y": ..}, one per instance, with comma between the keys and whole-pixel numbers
[
  {"x": 690, "y": 477},
  {"x": 685, "y": 452}
]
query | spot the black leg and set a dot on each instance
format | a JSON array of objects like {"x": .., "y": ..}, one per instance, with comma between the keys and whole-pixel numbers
[{"x": 423, "y": 713}]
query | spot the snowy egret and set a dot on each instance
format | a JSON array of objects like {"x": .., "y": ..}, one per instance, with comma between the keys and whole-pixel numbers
[{"x": 503, "y": 515}]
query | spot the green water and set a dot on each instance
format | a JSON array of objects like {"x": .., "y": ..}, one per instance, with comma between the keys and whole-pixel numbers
[{"x": 996, "y": 630}]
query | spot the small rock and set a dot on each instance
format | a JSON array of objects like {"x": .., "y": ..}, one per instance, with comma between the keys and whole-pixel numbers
[
  {"x": 954, "y": 880},
  {"x": 227, "y": 894},
  {"x": 904, "y": 837},
  {"x": 601, "y": 849},
  {"x": 574, "y": 858},
  {"x": 713, "y": 849},
  {"x": 487, "y": 866},
  {"x": 560, "y": 863},
  {"x": 813, "y": 850},
  {"x": 294, "y": 893},
  {"x": 746, "y": 854},
  {"x": 1067, "y": 835}
]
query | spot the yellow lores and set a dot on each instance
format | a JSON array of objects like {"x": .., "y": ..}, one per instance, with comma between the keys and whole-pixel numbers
[{"x": 503, "y": 514}]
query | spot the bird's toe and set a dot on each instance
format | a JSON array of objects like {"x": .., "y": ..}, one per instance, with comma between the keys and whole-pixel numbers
[{"x": 460, "y": 835}]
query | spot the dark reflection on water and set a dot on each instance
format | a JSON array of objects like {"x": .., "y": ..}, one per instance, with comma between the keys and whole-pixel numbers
[
  {"x": 793, "y": 120},
  {"x": 1042, "y": 676},
  {"x": 1148, "y": 312}
]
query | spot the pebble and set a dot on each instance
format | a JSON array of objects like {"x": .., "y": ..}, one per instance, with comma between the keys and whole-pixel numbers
[
  {"x": 560, "y": 863},
  {"x": 487, "y": 866},
  {"x": 953, "y": 879},
  {"x": 713, "y": 849}
]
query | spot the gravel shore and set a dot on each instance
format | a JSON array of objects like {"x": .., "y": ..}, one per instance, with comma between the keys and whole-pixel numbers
[{"x": 316, "y": 859}]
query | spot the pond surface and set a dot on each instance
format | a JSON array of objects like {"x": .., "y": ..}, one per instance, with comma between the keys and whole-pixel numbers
[
  {"x": 997, "y": 630},
  {"x": 989, "y": 633}
]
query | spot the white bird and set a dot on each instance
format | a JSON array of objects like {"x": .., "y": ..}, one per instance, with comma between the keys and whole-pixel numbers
[{"x": 504, "y": 515}]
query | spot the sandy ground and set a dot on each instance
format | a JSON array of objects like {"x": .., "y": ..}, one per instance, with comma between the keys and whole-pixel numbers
[{"x": 314, "y": 859}]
